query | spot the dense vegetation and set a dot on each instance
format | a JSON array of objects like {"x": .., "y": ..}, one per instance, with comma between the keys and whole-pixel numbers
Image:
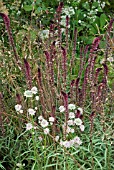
[{"x": 56, "y": 85}]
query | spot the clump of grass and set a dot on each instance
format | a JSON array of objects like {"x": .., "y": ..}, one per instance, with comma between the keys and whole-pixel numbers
[{"x": 46, "y": 129}]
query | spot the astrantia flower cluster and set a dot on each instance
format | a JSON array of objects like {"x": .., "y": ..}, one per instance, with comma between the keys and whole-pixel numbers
[
  {"x": 30, "y": 93},
  {"x": 18, "y": 108},
  {"x": 45, "y": 124},
  {"x": 74, "y": 142},
  {"x": 74, "y": 120}
]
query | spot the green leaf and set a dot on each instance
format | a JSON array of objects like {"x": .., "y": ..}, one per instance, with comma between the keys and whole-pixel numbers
[
  {"x": 103, "y": 19},
  {"x": 28, "y": 7},
  {"x": 2, "y": 167}
]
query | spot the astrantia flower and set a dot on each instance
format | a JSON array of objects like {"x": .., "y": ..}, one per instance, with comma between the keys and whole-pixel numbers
[
  {"x": 46, "y": 131},
  {"x": 40, "y": 138},
  {"x": 77, "y": 140},
  {"x": 110, "y": 59},
  {"x": 71, "y": 115},
  {"x": 44, "y": 123},
  {"x": 67, "y": 144},
  {"x": 56, "y": 138},
  {"x": 31, "y": 112},
  {"x": 34, "y": 90},
  {"x": 51, "y": 119},
  {"x": 61, "y": 108},
  {"x": 71, "y": 106},
  {"x": 82, "y": 127},
  {"x": 21, "y": 111},
  {"x": 29, "y": 126},
  {"x": 37, "y": 98},
  {"x": 79, "y": 21},
  {"x": 28, "y": 93},
  {"x": 40, "y": 118},
  {"x": 44, "y": 34},
  {"x": 81, "y": 110},
  {"x": 78, "y": 121},
  {"x": 71, "y": 130},
  {"x": 35, "y": 108},
  {"x": 70, "y": 122},
  {"x": 68, "y": 130},
  {"x": 18, "y": 107}
]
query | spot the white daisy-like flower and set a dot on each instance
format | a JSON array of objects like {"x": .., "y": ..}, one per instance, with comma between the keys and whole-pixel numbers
[
  {"x": 82, "y": 127},
  {"x": 28, "y": 93},
  {"x": 44, "y": 123},
  {"x": 37, "y": 98},
  {"x": 78, "y": 121},
  {"x": 71, "y": 106},
  {"x": 34, "y": 90},
  {"x": 31, "y": 112},
  {"x": 46, "y": 131},
  {"x": 29, "y": 126},
  {"x": 71, "y": 115},
  {"x": 51, "y": 119},
  {"x": 62, "y": 109},
  {"x": 18, "y": 107}
]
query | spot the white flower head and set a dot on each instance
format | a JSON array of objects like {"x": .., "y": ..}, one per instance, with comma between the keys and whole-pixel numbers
[
  {"x": 67, "y": 144},
  {"x": 70, "y": 122},
  {"x": 36, "y": 108},
  {"x": 72, "y": 130},
  {"x": 18, "y": 107},
  {"x": 29, "y": 126},
  {"x": 51, "y": 119},
  {"x": 21, "y": 111},
  {"x": 44, "y": 123},
  {"x": 81, "y": 110},
  {"x": 79, "y": 21},
  {"x": 68, "y": 130},
  {"x": 40, "y": 138},
  {"x": 31, "y": 112},
  {"x": 71, "y": 115},
  {"x": 37, "y": 98},
  {"x": 34, "y": 90},
  {"x": 71, "y": 106},
  {"x": 77, "y": 140},
  {"x": 40, "y": 117},
  {"x": 110, "y": 59},
  {"x": 62, "y": 109},
  {"x": 78, "y": 121},
  {"x": 56, "y": 138},
  {"x": 46, "y": 131},
  {"x": 28, "y": 93},
  {"x": 44, "y": 34},
  {"x": 82, "y": 127}
]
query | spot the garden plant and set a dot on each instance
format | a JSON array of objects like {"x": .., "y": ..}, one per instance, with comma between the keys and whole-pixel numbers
[{"x": 56, "y": 86}]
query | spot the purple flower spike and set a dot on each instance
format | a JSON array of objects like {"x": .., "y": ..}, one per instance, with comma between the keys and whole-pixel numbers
[
  {"x": 110, "y": 25},
  {"x": 7, "y": 25},
  {"x": 28, "y": 73}
]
